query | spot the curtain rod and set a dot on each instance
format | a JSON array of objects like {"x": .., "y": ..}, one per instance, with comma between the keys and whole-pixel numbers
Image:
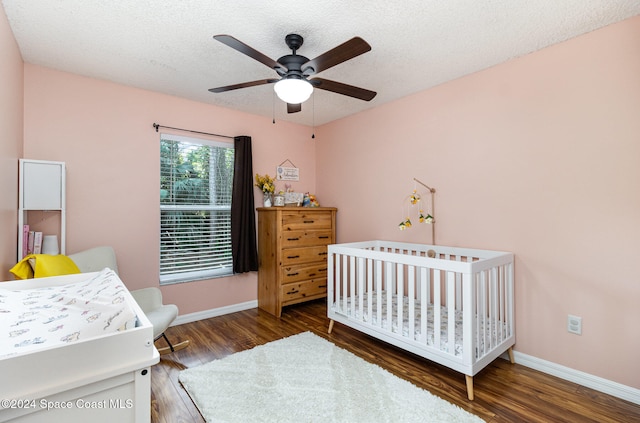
[{"x": 157, "y": 126}]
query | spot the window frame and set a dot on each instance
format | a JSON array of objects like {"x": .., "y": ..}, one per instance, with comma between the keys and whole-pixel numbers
[{"x": 195, "y": 275}]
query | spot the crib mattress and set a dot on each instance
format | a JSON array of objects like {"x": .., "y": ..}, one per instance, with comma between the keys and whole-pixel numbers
[
  {"x": 497, "y": 331},
  {"x": 49, "y": 316}
]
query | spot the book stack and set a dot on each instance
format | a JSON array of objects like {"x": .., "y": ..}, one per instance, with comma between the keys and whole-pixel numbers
[{"x": 31, "y": 241}]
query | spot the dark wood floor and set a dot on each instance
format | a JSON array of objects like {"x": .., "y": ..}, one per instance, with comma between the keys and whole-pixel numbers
[{"x": 503, "y": 392}]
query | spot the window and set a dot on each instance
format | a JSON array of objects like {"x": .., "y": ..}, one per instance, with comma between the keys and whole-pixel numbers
[{"x": 196, "y": 179}]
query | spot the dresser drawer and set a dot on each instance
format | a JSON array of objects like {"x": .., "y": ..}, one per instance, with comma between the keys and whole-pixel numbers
[
  {"x": 306, "y": 238},
  {"x": 301, "y": 220},
  {"x": 296, "y": 292},
  {"x": 292, "y": 256},
  {"x": 304, "y": 272}
]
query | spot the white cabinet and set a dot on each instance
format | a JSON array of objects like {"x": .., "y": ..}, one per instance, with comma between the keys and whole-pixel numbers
[{"x": 41, "y": 187}]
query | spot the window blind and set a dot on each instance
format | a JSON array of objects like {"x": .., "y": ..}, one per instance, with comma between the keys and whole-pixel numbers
[{"x": 196, "y": 179}]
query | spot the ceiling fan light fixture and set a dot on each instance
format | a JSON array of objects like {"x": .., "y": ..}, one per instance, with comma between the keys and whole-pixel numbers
[{"x": 293, "y": 91}]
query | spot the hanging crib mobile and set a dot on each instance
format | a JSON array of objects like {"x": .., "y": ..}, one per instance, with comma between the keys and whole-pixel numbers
[{"x": 414, "y": 200}]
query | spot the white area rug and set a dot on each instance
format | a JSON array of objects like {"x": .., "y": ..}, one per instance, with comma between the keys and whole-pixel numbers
[{"x": 305, "y": 378}]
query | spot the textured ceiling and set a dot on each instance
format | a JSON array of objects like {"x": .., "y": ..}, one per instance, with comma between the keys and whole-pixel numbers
[{"x": 167, "y": 46}]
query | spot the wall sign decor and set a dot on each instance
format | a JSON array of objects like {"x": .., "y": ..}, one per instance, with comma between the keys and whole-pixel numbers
[{"x": 284, "y": 173}]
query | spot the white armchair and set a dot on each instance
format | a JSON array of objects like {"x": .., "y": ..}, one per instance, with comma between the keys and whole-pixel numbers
[
  {"x": 159, "y": 314},
  {"x": 149, "y": 299}
]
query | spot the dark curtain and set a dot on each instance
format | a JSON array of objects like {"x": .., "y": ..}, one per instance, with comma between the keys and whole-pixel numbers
[{"x": 243, "y": 218}]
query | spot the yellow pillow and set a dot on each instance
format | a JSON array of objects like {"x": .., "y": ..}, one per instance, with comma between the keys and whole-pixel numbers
[{"x": 44, "y": 265}]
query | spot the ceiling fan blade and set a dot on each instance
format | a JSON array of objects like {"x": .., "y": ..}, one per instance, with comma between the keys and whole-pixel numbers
[
  {"x": 249, "y": 51},
  {"x": 345, "y": 51},
  {"x": 242, "y": 85},
  {"x": 344, "y": 89},
  {"x": 294, "y": 108}
]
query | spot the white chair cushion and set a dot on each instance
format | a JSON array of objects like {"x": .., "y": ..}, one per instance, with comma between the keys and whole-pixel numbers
[{"x": 95, "y": 259}]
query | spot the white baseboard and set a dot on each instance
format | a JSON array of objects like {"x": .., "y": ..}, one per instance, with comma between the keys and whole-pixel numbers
[
  {"x": 581, "y": 378},
  {"x": 214, "y": 312},
  {"x": 615, "y": 389}
]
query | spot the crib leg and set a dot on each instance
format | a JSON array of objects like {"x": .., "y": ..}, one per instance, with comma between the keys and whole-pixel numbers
[
  {"x": 469, "y": 380},
  {"x": 511, "y": 359},
  {"x": 330, "y": 325}
]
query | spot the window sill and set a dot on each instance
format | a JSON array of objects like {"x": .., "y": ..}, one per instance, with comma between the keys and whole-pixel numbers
[{"x": 195, "y": 276}]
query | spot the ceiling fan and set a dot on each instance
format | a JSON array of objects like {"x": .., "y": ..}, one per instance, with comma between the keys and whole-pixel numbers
[{"x": 294, "y": 86}]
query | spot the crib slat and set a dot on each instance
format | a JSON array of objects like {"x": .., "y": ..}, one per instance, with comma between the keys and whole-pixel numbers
[
  {"x": 494, "y": 308},
  {"x": 458, "y": 291},
  {"x": 389, "y": 286},
  {"x": 499, "y": 306},
  {"x": 503, "y": 311},
  {"x": 458, "y": 287},
  {"x": 360, "y": 290},
  {"x": 451, "y": 312},
  {"x": 510, "y": 301},
  {"x": 437, "y": 300},
  {"x": 424, "y": 302},
  {"x": 411, "y": 285},
  {"x": 369, "y": 289},
  {"x": 379, "y": 292},
  {"x": 352, "y": 284},
  {"x": 477, "y": 311},
  {"x": 337, "y": 282},
  {"x": 345, "y": 280},
  {"x": 495, "y": 305},
  {"x": 400, "y": 297},
  {"x": 428, "y": 285},
  {"x": 418, "y": 284},
  {"x": 469, "y": 310},
  {"x": 483, "y": 311},
  {"x": 331, "y": 300}
]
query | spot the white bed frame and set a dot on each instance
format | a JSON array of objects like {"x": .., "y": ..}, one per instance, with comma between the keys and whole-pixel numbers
[
  {"x": 105, "y": 379},
  {"x": 367, "y": 279}
]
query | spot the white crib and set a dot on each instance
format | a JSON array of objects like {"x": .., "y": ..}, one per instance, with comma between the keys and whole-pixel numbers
[{"x": 400, "y": 292}]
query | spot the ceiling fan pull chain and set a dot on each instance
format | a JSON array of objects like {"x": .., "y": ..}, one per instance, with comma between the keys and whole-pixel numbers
[{"x": 313, "y": 115}]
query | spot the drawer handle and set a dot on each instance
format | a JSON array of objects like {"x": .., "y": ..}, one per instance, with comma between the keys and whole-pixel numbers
[
  {"x": 322, "y": 286},
  {"x": 292, "y": 257},
  {"x": 293, "y": 239},
  {"x": 323, "y": 253},
  {"x": 323, "y": 269},
  {"x": 311, "y": 275},
  {"x": 295, "y": 291},
  {"x": 324, "y": 237},
  {"x": 292, "y": 274},
  {"x": 308, "y": 221}
]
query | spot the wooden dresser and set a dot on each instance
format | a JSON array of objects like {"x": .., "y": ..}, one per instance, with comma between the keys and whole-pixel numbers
[{"x": 292, "y": 250}]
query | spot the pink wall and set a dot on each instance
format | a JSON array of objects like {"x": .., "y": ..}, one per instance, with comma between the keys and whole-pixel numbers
[
  {"x": 538, "y": 156},
  {"x": 11, "y": 85},
  {"x": 103, "y": 131}
]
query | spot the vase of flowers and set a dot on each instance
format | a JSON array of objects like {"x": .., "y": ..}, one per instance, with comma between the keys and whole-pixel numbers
[
  {"x": 267, "y": 199},
  {"x": 268, "y": 187}
]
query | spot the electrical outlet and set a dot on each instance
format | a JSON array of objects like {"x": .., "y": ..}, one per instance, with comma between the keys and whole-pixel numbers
[{"x": 574, "y": 324}]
